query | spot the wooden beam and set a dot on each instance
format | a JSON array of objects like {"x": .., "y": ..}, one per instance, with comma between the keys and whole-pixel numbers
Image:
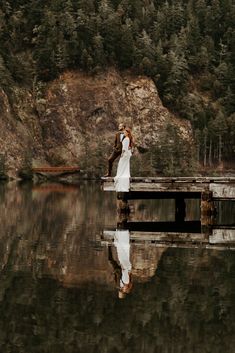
[
  {"x": 223, "y": 191},
  {"x": 176, "y": 179},
  {"x": 222, "y": 236},
  {"x": 161, "y": 187},
  {"x": 175, "y": 240},
  {"x": 160, "y": 236},
  {"x": 166, "y": 187}
]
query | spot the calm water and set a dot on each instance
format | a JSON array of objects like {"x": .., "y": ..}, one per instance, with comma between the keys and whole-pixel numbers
[{"x": 57, "y": 286}]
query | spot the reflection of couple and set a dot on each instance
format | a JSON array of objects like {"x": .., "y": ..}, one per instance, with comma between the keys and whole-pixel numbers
[
  {"x": 123, "y": 271},
  {"x": 122, "y": 147}
]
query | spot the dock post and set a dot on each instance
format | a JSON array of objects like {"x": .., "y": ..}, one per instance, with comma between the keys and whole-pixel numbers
[
  {"x": 180, "y": 209},
  {"x": 207, "y": 209},
  {"x": 122, "y": 220},
  {"x": 122, "y": 203}
]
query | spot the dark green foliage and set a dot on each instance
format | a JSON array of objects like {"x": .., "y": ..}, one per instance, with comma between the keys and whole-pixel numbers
[
  {"x": 187, "y": 47},
  {"x": 173, "y": 156}
]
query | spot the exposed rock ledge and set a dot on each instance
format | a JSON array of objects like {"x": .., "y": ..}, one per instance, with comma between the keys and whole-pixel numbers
[{"x": 73, "y": 123}]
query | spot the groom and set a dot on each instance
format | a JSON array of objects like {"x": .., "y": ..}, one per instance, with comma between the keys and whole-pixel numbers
[{"x": 117, "y": 151}]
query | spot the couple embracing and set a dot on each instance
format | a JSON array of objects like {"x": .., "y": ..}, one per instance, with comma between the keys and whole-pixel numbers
[{"x": 122, "y": 147}]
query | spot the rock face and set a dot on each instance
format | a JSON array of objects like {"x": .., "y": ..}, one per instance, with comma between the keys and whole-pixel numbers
[
  {"x": 74, "y": 121},
  {"x": 13, "y": 134}
]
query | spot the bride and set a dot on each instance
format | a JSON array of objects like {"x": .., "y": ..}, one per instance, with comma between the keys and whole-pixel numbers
[{"x": 122, "y": 178}]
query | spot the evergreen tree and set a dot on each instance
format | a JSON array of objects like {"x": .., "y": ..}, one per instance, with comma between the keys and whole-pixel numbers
[
  {"x": 98, "y": 52},
  {"x": 86, "y": 60},
  {"x": 126, "y": 45},
  {"x": 218, "y": 130},
  {"x": 144, "y": 54},
  {"x": 172, "y": 156},
  {"x": 194, "y": 43},
  {"x": 161, "y": 66},
  {"x": 175, "y": 85},
  {"x": 6, "y": 80}
]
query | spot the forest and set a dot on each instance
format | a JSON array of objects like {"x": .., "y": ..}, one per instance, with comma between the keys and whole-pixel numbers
[{"x": 186, "y": 46}]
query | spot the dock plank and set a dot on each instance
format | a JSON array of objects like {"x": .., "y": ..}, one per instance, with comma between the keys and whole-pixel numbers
[
  {"x": 161, "y": 236},
  {"x": 176, "y": 179},
  {"x": 223, "y": 190},
  {"x": 173, "y": 240},
  {"x": 222, "y": 236},
  {"x": 172, "y": 187}
]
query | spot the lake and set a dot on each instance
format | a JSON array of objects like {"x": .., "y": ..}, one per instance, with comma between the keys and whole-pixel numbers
[{"x": 59, "y": 290}]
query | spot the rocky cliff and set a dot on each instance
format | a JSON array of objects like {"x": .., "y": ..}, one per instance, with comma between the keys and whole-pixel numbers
[{"x": 72, "y": 120}]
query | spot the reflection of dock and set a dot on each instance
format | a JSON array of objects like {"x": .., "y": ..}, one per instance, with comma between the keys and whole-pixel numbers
[
  {"x": 219, "y": 238},
  {"x": 48, "y": 188},
  {"x": 177, "y": 227}
]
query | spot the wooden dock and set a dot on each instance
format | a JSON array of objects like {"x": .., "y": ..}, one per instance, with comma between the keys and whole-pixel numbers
[
  {"x": 180, "y": 233},
  {"x": 220, "y": 238},
  {"x": 207, "y": 189},
  {"x": 220, "y": 187}
]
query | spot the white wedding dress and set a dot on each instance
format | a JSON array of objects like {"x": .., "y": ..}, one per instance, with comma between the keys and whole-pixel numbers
[
  {"x": 122, "y": 243},
  {"x": 122, "y": 178}
]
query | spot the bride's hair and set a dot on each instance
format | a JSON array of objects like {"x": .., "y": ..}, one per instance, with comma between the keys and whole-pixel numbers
[{"x": 128, "y": 130}]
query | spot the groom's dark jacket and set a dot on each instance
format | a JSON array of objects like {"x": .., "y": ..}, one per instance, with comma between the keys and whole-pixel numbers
[{"x": 118, "y": 143}]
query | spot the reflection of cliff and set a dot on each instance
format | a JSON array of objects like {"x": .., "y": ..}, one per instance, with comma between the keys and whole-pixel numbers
[
  {"x": 49, "y": 234},
  {"x": 145, "y": 261},
  {"x": 187, "y": 306}
]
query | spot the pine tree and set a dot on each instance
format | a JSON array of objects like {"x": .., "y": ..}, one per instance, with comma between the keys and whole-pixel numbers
[
  {"x": 175, "y": 85},
  {"x": 217, "y": 128},
  {"x": 144, "y": 54},
  {"x": 161, "y": 66},
  {"x": 86, "y": 60},
  {"x": 126, "y": 45},
  {"x": 6, "y": 80},
  {"x": 194, "y": 40},
  {"x": 45, "y": 41},
  {"x": 201, "y": 13},
  {"x": 98, "y": 52}
]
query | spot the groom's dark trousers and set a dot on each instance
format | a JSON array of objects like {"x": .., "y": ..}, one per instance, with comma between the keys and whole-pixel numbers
[
  {"x": 111, "y": 159},
  {"x": 116, "y": 152}
]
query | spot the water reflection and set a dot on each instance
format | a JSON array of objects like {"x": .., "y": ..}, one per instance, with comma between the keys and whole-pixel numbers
[
  {"x": 59, "y": 288},
  {"x": 122, "y": 268}
]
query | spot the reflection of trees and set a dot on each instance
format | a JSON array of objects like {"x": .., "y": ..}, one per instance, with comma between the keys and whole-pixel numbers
[{"x": 187, "y": 306}]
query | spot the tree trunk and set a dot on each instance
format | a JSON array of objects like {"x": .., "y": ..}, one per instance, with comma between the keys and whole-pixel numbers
[
  {"x": 210, "y": 153},
  {"x": 205, "y": 150},
  {"x": 220, "y": 149}
]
